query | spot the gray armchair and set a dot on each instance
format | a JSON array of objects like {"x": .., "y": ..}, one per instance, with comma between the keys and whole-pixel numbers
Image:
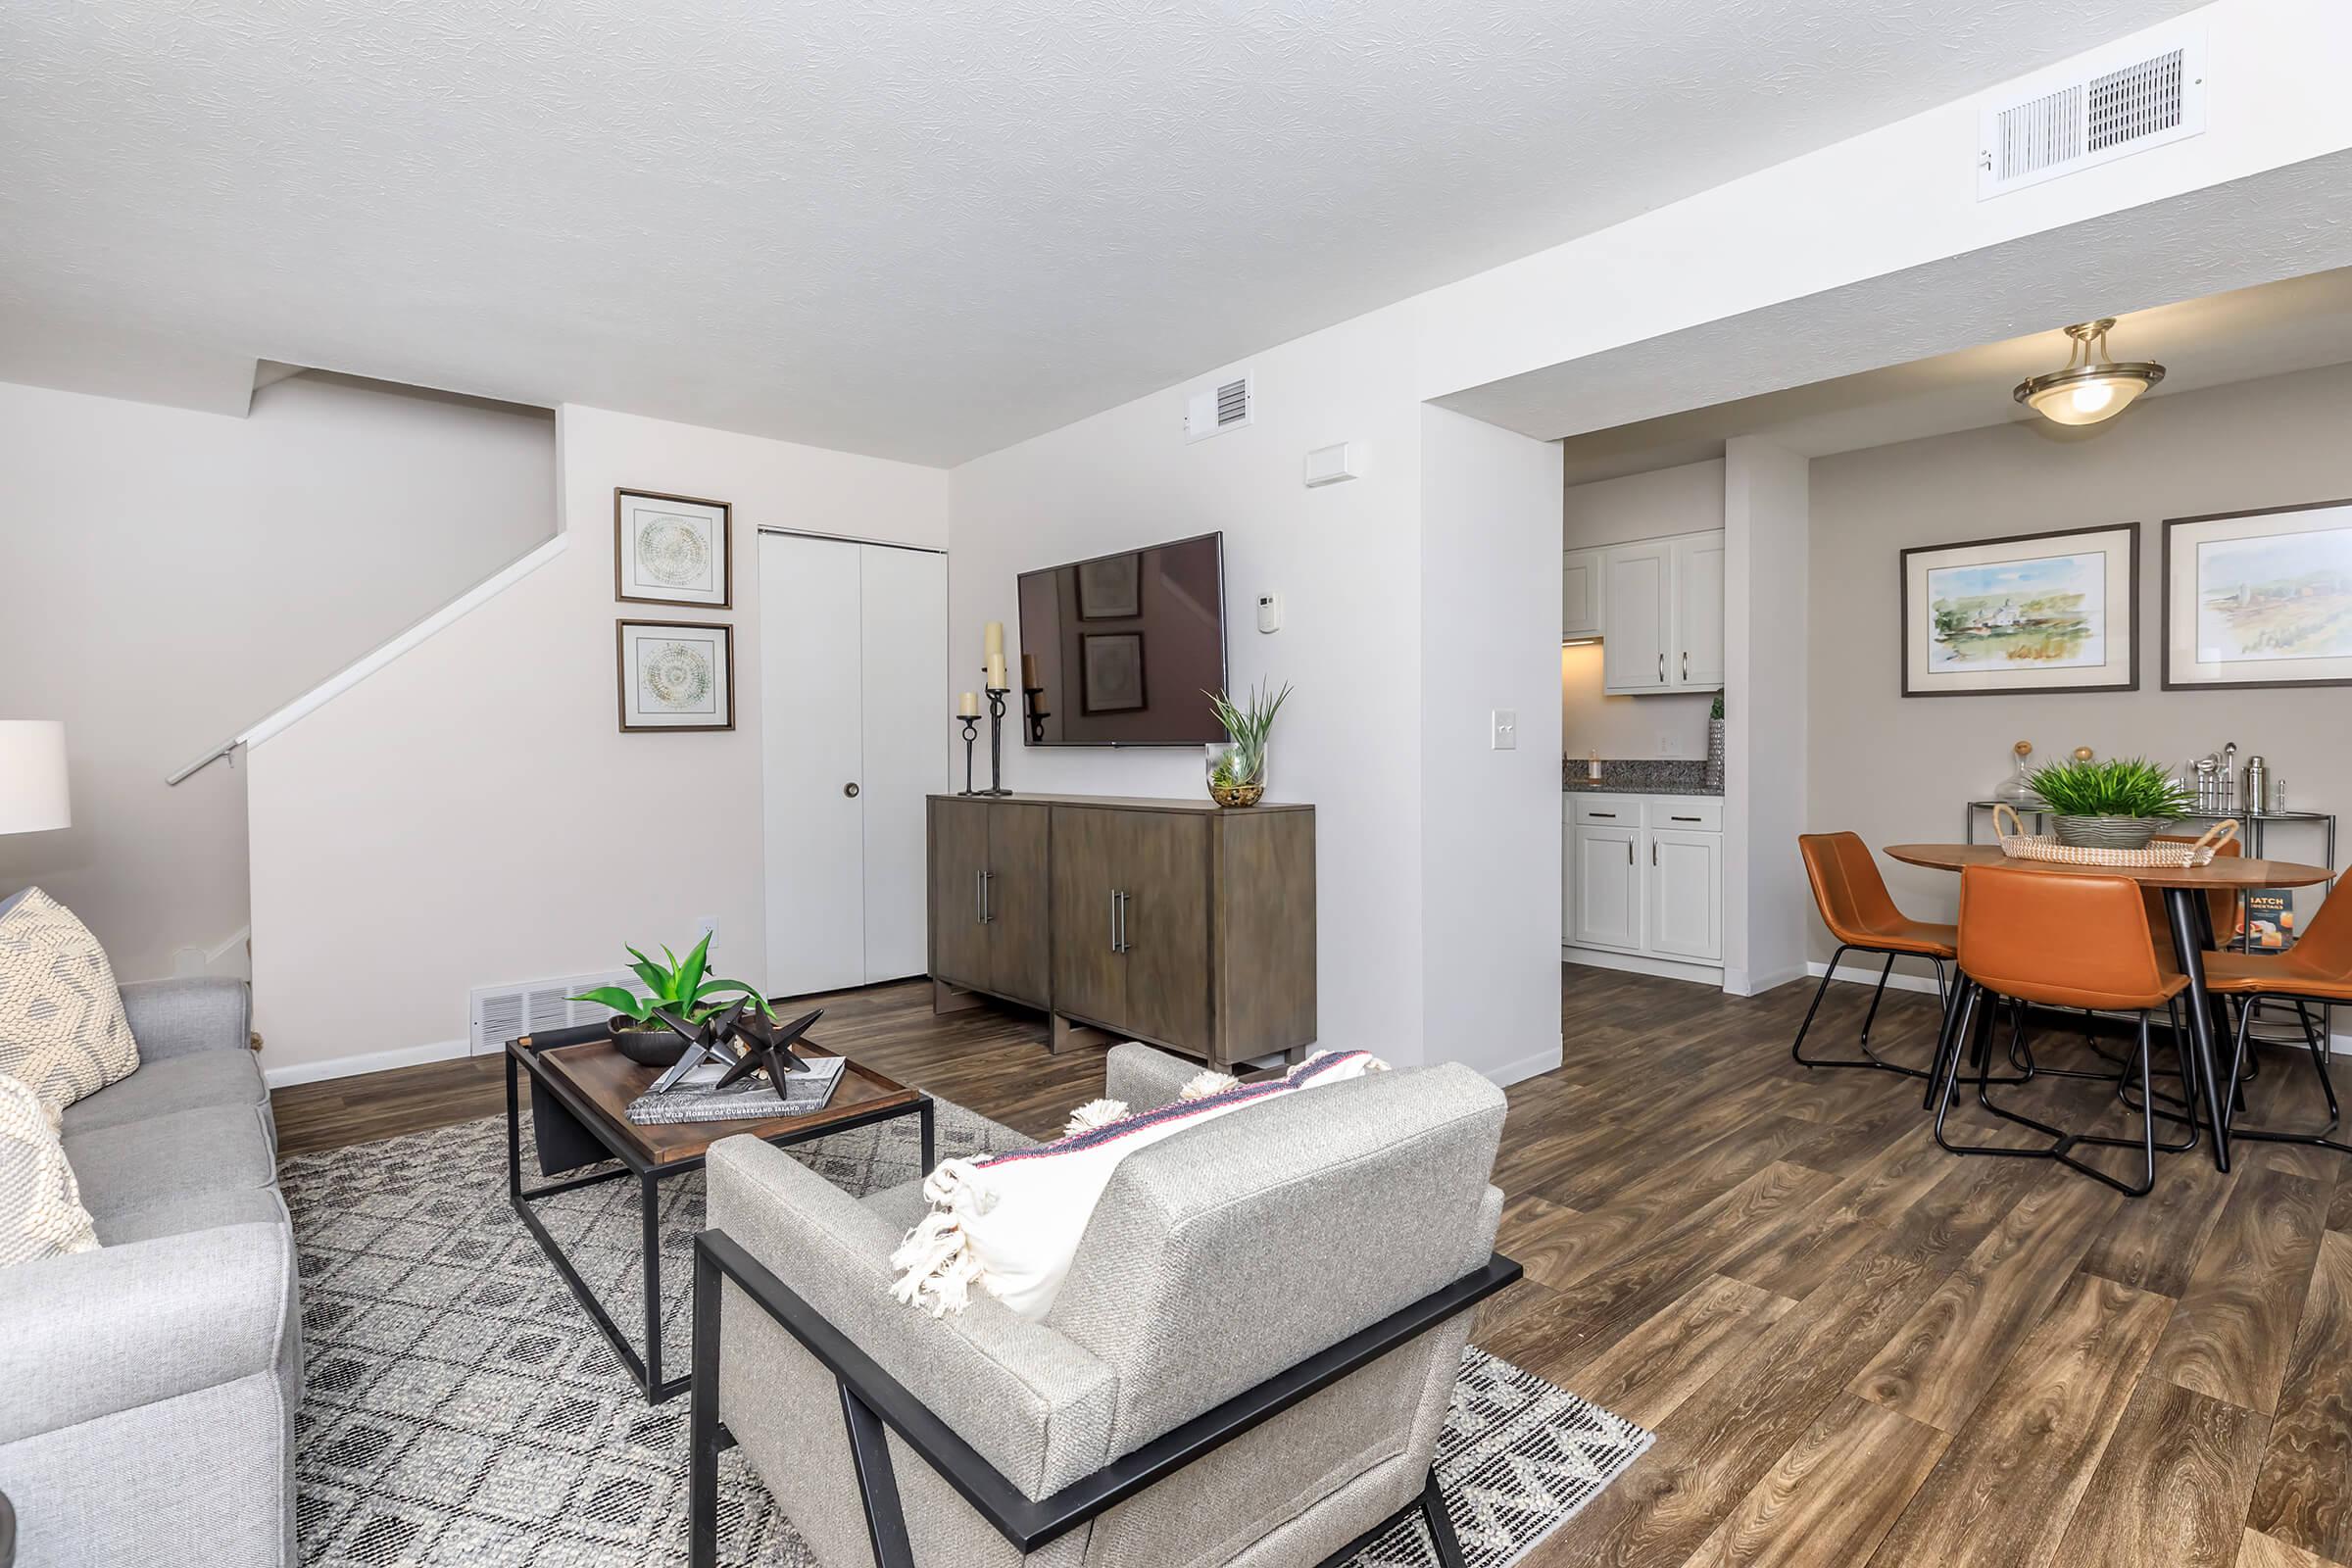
[{"x": 1250, "y": 1363}]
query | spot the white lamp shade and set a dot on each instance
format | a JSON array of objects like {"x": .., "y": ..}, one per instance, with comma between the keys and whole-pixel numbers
[{"x": 33, "y": 776}]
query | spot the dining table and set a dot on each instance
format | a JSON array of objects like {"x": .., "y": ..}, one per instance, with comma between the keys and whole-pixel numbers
[{"x": 2187, "y": 913}]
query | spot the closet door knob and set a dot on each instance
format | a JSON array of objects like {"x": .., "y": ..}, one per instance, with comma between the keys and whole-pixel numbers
[{"x": 850, "y": 790}]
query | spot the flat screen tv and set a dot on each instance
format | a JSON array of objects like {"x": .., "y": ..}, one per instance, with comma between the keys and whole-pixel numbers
[{"x": 1123, "y": 647}]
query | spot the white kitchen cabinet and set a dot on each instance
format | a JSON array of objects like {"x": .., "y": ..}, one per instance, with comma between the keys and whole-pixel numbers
[
  {"x": 1642, "y": 880},
  {"x": 1663, "y": 631},
  {"x": 1683, "y": 895},
  {"x": 1581, "y": 594},
  {"x": 1637, "y": 581},
  {"x": 1607, "y": 908},
  {"x": 1698, "y": 620}
]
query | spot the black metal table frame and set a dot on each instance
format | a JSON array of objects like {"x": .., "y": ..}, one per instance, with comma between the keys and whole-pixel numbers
[{"x": 645, "y": 1370}]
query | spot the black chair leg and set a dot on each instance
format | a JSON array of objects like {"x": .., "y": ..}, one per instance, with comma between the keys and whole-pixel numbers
[
  {"x": 1869, "y": 1057},
  {"x": 1442, "y": 1538}
]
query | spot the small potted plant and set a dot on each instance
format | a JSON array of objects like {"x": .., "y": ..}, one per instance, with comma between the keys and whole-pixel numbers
[
  {"x": 2117, "y": 805},
  {"x": 683, "y": 987},
  {"x": 1237, "y": 772}
]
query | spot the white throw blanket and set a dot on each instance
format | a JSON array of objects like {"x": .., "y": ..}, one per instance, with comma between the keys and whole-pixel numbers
[{"x": 1010, "y": 1224}]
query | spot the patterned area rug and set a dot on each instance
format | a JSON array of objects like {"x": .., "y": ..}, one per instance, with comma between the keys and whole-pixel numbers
[{"x": 459, "y": 1408}]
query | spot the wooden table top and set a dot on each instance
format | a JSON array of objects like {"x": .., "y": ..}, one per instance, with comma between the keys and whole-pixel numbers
[
  {"x": 2235, "y": 871},
  {"x": 607, "y": 1081}
]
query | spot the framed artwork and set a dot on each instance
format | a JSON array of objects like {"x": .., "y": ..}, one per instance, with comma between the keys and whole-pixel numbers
[
  {"x": 1111, "y": 672},
  {"x": 2259, "y": 598},
  {"x": 672, "y": 550},
  {"x": 1112, "y": 588},
  {"x": 2032, "y": 613},
  {"x": 675, "y": 676}
]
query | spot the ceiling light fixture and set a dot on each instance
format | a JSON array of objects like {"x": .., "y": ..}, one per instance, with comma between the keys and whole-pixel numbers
[{"x": 2092, "y": 387}]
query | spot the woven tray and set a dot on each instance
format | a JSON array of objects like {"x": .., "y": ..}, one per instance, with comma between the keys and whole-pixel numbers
[{"x": 2023, "y": 846}]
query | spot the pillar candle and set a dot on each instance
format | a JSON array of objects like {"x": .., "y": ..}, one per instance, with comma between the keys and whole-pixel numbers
[
  {"x": 1029, "y": 671},
  {"x": 968, "y": 705},
  {"x": 995, "y": 671},
  {"x": 991, "y": 638}
]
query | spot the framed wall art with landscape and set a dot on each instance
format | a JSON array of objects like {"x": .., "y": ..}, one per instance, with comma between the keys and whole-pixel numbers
[
  {"x": 672, "y": 550},
  {"x": 2259, "y": 598},
  {"x": 675, "y": 676},
  {"x": 2032, "y": 612}
]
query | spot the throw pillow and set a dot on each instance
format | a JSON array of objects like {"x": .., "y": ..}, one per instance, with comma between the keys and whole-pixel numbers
[
  {"x": 62, "y": 1028},
  {"x": 1010, "y": 1223},
  {"x": 41, "y": 1206}
]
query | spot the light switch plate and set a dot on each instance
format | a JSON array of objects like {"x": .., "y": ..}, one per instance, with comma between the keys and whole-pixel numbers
[{"x": 1504, "y": 735}]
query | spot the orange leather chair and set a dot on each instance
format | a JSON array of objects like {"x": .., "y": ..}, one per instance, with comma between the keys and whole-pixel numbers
[
  {"x": 2058, "y": 941},
  {"x": 2316, "y": 971},
  {"x": 1860, "y": 914}
]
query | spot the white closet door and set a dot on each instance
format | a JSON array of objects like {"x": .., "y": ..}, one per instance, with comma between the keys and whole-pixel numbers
[
  {"x": 811, "y": 723},
  {"x": 904, "y": 599}
]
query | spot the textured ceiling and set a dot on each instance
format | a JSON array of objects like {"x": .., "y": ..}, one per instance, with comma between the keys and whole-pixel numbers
[
  {"x": 917, "y": 230},
  {"x": 2273, "y": 329}
]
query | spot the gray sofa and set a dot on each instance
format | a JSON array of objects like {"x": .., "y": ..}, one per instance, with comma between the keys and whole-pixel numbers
[
  {"x": 152, "y": 1384},
  {"x": 1214, "y": 1260}
]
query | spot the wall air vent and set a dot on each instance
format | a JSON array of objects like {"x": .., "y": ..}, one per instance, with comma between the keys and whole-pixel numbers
[
  {"x": 1215, "y": 409},
  {"x": 2106, "y": 107},
  {"x": 497, "y": 1015}
]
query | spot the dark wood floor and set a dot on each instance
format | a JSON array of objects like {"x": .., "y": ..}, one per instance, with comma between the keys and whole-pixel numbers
[{"x": 1855, "y": 1348}]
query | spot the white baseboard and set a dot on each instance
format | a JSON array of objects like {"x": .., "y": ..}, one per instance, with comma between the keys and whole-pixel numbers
[
  {"x": 1897, "y": 981},
  {"x": 311, "y": 1072},
  {"x": 1705, "y": 974},
  {"x": 1526, "y": 1067},
  {"x": 1744, "y": 982}
]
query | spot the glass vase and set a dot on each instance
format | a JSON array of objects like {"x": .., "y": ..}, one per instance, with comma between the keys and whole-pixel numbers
[{"x": 1236, "y": 777}]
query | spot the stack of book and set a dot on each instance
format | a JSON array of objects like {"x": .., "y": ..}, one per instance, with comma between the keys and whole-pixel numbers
[{"x": 698, "y": 1096}]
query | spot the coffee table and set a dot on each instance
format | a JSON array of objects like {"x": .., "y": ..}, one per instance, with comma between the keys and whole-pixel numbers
[{"x": 580, "y": 1095}]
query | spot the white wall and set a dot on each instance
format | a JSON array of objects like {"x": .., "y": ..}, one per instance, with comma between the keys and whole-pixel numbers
[
  {"x": 1687, "y": 499},
  {"x": 173, "y": 576},
  {"x": 1896, "y": 769},
  {"x": 1347, "y": 560},
  {"x": 470, "y": 815},
  {"x": 1767, "y": 606},
  {"x": 1490, "y": 820}
]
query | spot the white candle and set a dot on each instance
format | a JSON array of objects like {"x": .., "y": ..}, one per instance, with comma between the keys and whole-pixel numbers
[
  {"x": 968, "y": 705},
  {"x": 1029, "y": 671},
  {"x": 996, "y": 671},
  {"x": 991, "y": 638}
]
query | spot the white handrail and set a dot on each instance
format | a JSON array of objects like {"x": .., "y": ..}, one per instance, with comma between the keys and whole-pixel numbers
[{"x": 368, "y": 664}]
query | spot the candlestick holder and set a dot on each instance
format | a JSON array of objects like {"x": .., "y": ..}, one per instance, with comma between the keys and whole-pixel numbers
[
  {"x": 971, "y": 733},
  {"x": 1036, "y": 713},
  {"x": 995, "y": 741}
]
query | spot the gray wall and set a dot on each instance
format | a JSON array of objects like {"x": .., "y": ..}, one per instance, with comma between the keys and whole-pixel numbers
[
  {"x": 1893, "y": 769},
  {"x": 173, "y": 576}
]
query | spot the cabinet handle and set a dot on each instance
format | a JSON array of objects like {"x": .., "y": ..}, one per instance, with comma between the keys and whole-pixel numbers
[
  {"x": 1661, "y": 664},
  {"x": 1653, "y": 852},
  {"x": 1682, "y": 820},
  {"x": 1114, "y": 919},
  {"x": 1611, "y": 815},
  {"x": 1629, "y": 851},
  {"x": 980, "y": 898},
  {"x": 1686, "y": 663},
  {"x": 1126, "y": 903},
  {"x": 987, "y": 911}
]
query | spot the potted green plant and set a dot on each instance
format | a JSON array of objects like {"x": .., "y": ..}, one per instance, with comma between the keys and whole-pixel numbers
[
  {"x": 1237, "y": 772},
  {"x": 684, "y": 987},
  {"x": 2117, "y": 805}
]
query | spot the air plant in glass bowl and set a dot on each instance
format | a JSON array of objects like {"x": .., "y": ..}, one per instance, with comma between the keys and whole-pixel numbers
[
  {"x": 1237, "y": 770},
  {"x": 683, "y": 987}
]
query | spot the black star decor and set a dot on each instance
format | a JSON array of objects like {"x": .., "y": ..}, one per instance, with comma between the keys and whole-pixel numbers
[
  {"x": 706, "y": 1040},
  {"x": 767, "y": 1044}
]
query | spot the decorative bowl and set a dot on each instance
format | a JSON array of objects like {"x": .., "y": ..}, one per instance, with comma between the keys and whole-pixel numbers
[
  {"x": 659, "y": 1047},
  {"x": 1236, "y": 794},
  {"x": 2108, "y": 832}
]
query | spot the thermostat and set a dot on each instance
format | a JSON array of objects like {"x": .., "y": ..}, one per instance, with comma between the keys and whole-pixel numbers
[{"x": 1270, "y": 611}]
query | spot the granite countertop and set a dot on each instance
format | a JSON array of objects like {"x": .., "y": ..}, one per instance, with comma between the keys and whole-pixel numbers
[{"x": 1609, "y": 786}]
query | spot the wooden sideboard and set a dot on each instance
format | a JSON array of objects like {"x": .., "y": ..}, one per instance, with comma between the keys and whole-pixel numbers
[{"x": 1170, "y": 921}]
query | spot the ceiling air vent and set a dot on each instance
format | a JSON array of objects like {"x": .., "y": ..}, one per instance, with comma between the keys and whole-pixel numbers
[
  {"x": 2106, "y": 107},
  {"x": 1215, "y": 409}
]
